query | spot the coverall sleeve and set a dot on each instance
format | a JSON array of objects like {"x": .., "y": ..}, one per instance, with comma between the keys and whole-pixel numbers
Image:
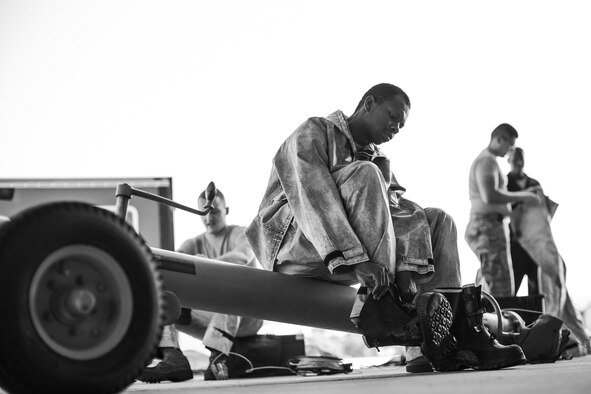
[{"x": 303, "y": 169}]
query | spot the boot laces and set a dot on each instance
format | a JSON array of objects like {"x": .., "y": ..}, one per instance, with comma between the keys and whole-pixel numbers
[
  {"x": 475, "y": 319},
  {"x": 492, "y": 337}
]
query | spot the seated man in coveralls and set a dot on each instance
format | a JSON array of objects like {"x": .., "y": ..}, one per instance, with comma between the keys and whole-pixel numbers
[{"x": 333, "y": 211}]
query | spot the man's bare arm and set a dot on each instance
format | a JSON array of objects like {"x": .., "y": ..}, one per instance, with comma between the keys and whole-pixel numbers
[
  {"x": 488, "y": 185},
  {"x": 241, "y": 252}
]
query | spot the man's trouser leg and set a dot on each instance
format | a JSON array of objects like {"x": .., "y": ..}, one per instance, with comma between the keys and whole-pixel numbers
[
  {"x": 488, "y": 237},
  {"x": 174, "y": 366},
  {"x": 363, "y": 194},
  {"x": 217, "y": 331},
  {"x": 446, "y": 260},
  {"x": 170, "y": 337}
]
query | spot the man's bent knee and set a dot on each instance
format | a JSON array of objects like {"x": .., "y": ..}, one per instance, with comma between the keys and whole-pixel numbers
[{"x": 360, "y": 172}]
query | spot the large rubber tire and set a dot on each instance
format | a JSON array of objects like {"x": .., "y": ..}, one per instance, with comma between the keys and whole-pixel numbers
[{"x": 80, "y": 301}]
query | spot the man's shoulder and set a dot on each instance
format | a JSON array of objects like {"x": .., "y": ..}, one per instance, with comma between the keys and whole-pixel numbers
[
  {"x": 485, "y": 158},
  {"x": 484, "y": 164},
  {"x": 234, "y": 228},
  {"x": 313, "y": 124},
  {"x": 319, "y": 127},
  {"x": 531, "y": 181},
  {"x": 312, "y": 129}
]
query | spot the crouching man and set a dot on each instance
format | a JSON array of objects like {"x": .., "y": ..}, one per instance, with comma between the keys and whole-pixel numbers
[
  {"x": 217, "y": 331},
  {"x": 332, "y": 211}
]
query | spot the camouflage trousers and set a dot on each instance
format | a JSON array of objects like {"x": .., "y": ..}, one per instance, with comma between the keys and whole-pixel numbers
[{"x": 488, "y": 237}]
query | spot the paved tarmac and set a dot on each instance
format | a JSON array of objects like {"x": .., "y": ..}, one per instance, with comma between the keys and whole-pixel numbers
[{"x": 572, "y": 376}]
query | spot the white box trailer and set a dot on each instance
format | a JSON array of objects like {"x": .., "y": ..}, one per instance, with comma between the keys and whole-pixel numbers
[{"x": 154, "y": 222}]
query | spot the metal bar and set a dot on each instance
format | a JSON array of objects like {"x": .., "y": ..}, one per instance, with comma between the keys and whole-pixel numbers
[
  {"x": 215, "y": 286},
  {"x": 166, "y": 221},
  {"x": 169, "y": 202},
  {"x": 166, "y": 201}
]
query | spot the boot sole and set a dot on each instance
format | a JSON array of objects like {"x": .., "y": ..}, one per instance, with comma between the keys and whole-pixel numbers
[
  {"x": 172, "y": 378},
  {"x": 419, "y": 365},
  {"x": 500, "y": 365},
  {"x": 439, "y": 345}
]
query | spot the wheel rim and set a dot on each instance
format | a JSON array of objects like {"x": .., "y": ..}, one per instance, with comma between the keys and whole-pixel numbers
[{"x": 80, "y": 301}]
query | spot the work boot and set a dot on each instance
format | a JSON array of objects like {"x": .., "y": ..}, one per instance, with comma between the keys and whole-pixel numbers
[
  {"x": 415, "y": 361},
  {"x": 218, "y": 367},
  {"x": 477, "y": 348},
  {"x": 435, "y": 320},
  {"x": 174, "y": 367}
]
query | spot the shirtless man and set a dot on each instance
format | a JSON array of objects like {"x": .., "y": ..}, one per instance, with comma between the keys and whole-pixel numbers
[{"x": 487, "y": 232}]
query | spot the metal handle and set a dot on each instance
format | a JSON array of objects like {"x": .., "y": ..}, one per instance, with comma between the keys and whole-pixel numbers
[
  {"x": 499, "y": 313},
  {"x": 124, "y": 192}
]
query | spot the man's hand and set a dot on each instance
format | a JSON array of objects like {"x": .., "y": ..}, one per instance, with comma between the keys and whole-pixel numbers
[
  {"x": 532, "y": 198},
  {"x": 534, "y": 189},
  {"x": 407, "y": 287},
  {"x": 374, "y": 277}
]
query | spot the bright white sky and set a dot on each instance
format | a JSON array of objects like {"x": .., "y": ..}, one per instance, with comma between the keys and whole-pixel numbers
[{"x": 207, "y": 90}]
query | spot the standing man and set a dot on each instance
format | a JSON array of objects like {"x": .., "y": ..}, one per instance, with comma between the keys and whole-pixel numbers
[
  {"x": 332, "y": 211},
  {"x": 534, "y": 253},
  {"x": 487, "y": 232},
  {"x": 217, "y": 331},
  {"x": 522, "y": 262}
]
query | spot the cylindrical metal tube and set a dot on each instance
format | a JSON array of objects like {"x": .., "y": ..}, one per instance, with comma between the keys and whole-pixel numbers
[
  {"x": 211, "y": 285},
  {"x": 122, "y": 197}
]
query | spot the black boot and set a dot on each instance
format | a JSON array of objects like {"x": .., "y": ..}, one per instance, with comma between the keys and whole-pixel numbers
[
  {"x": 477, "y": 348},
  {"x": 174, "y": 367},
  {"x": 435, "y": 320}
]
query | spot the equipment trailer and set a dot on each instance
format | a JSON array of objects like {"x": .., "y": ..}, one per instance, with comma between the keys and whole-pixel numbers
[{"x": 84, "y": 298}]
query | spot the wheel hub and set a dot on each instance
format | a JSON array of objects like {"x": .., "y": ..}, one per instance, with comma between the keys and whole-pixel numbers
[{"x": 80, "y": 302}]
